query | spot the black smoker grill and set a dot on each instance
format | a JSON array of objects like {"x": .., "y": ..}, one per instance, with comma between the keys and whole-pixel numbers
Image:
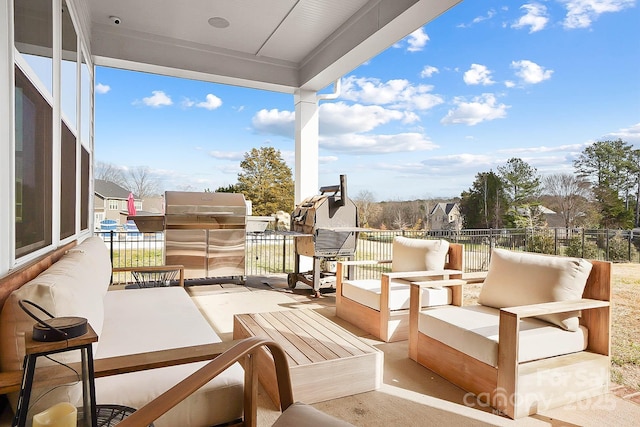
[{"x": 328, "y": 227}]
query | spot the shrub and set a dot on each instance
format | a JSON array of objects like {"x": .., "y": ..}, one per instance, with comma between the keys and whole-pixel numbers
[
  {"x": 619, "y": 249},
  {"x": 575, "y": 249},
  {"x": 541, "y": 243}
]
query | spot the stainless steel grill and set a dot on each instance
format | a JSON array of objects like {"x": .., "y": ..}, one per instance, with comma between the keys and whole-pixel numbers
[
  {"x": 328, "y": 230},
  {"x": 205, "y": 232}
]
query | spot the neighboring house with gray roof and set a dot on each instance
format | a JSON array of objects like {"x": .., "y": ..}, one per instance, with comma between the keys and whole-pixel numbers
[
  {"x": 445, "y": 216},
  {"x": 110, "y": 202}
]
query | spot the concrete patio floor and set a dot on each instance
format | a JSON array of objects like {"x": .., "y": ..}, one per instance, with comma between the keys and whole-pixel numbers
[{"x": 411, "y": 394}]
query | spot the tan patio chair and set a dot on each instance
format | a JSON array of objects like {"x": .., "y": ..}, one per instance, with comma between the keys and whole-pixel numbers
[
  {"x": 381, "y": 306},
  {"x": 293, "y": 414},
  {"x": 539, "y": 339}
]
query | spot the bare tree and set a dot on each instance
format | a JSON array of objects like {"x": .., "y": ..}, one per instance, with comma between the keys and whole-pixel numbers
[
  {"x": 110, "y": 172},
  {"x": 367, "y": 208},
  {"x": 141, "y": 182},
  {"x": 569, "y": 195}
]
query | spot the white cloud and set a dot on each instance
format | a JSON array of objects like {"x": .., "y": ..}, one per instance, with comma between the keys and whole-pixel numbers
[
  {"x": 335, "y": 118},
  {"x": 530, "y": 72},
  {"x": 478, "y": 75},
  {"x": 581, "y": 13},
  {"x": 544, "y": 149},
  {"x": 630, "y": 135},
  {"x": 227, "y": 155},
  {"x": 397, "y": 93},
  {"x": 158, "y": 99},
  {"x": 327, "y": 159},
  {"x": 460, "y": 161},
  {"x": 481, "y": 108},
  {"x": 340, "y": 118},
  {"x": 428, "y": 71},
  {"x": 490, "y": 14},
  {"x": 102, "y": 89},
  {"x": 535, "y": 17},
  {"x": 378, "y": 144},
  {"x": 509, "y": 83},
  {"x": 274, "y": 122},
  {"x": 212, "y": 102},
  {"x": 187, "y": 103},
  {"x": 417, "y": 40}
]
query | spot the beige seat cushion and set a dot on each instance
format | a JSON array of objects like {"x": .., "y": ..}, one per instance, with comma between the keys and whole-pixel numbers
[
  {"x": 142, "y": 320},
  {"x": 301, "y": 415},
  {"x": 418, "y": 255},
  {"x": 473, "y": 330},
  {"x": 519, "y": 278},
  {"x": 367, "y": 292}
]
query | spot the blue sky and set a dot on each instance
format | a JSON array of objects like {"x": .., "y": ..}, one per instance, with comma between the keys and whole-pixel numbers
[{"x": 485, "y": 82}]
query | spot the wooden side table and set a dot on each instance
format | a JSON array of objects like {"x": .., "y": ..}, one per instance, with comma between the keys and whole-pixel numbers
[{"x": 35, "y": 349}]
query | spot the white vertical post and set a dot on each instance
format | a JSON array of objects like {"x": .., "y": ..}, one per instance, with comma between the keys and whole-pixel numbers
[
  {"x": 57, "y": 130},
  {"x": 306, "y": 166},
  {"x": 7, "y": 153}
]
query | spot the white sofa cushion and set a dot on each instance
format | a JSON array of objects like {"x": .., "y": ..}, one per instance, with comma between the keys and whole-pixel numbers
[
  {"x": 418, "y": 255},
  {"x": 142, "y": 320},
  {"x": 367, "y": 292},
  {"x": 520, "y": 278},
  {"x": 73, "y": 286},
  {"x": 473, "y": 330}
]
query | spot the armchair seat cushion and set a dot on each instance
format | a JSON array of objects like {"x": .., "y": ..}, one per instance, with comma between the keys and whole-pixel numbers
[
  {"x": 473, "y": 330},
  {"x": 301, "y": 415},
  {"x": 367, "y": 292}
]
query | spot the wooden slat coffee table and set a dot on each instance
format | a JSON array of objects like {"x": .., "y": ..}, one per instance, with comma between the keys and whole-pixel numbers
[{"x": 326, "y": 361}]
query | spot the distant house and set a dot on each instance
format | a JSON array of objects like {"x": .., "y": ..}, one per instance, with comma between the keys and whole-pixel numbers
[
  {"x": 445, "y": 216},
  {"x": 110, "y": 202}
]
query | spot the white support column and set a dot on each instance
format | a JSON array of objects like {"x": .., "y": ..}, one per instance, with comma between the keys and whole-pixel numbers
[
  {"x": 306, "y": 166},
  {"x": 57, "y": 129},
  {"x": 7, "y": 153}
]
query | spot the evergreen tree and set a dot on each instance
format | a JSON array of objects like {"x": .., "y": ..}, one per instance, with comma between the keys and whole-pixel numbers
[
  {"x": 267, "y": 181},
  {"x": 522, "y": 189},
  {"x": 612, "y": 168},
  {"x": 483, "y": 205}
]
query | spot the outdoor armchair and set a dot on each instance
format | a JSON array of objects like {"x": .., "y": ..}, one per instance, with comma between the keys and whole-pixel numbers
[{"x": 380, "y": 306}]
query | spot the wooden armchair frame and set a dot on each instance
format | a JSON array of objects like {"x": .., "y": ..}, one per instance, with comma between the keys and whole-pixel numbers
[
  {"x": 521, "y": 389},
  {"x": 221, "y": 356},
  {"x": 393, "y": 325}
]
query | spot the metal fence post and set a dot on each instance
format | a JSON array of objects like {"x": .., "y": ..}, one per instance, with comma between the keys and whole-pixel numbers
[{"x": 284, "y": 253}]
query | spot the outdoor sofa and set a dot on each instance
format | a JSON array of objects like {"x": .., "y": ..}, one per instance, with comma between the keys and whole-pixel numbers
[{"x": 138, "y": 329}]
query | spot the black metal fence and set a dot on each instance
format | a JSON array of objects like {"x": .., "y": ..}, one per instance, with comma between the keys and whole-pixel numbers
[{"x": 271, "y": 253}]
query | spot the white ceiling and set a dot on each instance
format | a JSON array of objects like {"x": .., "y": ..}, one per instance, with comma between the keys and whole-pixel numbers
[{"x": 270, "y": 44}]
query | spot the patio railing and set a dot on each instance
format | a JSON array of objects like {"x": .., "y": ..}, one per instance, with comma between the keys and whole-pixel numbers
[{"x": 272, "y": 253}]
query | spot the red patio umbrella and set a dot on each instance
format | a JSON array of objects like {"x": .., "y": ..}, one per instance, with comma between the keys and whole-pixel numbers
[{"x": 131, "y": 204}]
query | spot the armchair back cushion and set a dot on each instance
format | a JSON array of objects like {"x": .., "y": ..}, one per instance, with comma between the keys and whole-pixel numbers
[
  {"x": 518, "y": 278},
  {"x": 418, "y": 254}
]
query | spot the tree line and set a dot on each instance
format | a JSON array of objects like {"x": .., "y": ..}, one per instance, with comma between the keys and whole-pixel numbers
[{"x": 603, "y": 192}]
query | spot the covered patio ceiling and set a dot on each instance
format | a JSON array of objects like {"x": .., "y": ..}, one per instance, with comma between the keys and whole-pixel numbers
[{"x": 278, "y": 45}]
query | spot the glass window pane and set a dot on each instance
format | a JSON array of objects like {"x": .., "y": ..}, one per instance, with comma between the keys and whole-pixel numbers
[
  {"x": 69, "y": 70},
  {"x": 33, "y": 122},
  {"x": 86, "y": 85},
  {"x": 84, "y": 189},
  {"x": 68, "y": 184},
  {"x": 34, "y": 37}
]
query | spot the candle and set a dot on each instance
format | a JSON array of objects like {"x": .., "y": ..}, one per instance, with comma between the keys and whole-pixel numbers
[{"x": 60, "y": 415}]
